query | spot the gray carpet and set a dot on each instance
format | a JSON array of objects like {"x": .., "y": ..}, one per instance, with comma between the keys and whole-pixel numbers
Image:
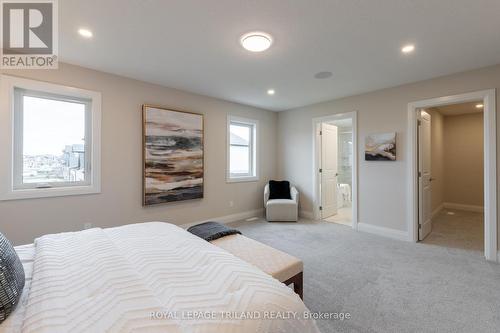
[
  {"x": 458, "y": 229},
  {"x": 387, "y": 285}
]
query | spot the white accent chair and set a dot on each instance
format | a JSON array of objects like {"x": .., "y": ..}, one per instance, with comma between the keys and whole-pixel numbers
[{"x": 282, "y": 210}]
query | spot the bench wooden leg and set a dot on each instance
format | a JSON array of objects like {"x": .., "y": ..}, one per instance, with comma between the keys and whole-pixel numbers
[{"x": 298, "y": 284}]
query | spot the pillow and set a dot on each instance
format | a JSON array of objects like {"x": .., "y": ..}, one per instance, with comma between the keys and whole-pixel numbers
[
  {"x": 279, "y": 190},
  {"x": 11, "y": 278}
]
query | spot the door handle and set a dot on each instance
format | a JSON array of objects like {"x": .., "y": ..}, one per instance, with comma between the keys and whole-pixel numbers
[{"x": 431, "y": 179}]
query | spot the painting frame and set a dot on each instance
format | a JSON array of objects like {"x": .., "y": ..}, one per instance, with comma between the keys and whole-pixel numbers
[
  {"x": 381, "y": 147},
  {"x": 145, "y": 108}
]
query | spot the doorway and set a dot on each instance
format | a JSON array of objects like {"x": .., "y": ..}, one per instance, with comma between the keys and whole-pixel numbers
[
  {"x": 334, "y": 169},
  {"x": 456, "y": 208},
  {"x": 451, "y": 183}
]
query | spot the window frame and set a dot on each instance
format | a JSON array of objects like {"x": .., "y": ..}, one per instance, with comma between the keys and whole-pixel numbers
[
  {"x": 253, "y": 175},
  {"x": 12, "y": 90},
  {"x": 19, "y": 94}
]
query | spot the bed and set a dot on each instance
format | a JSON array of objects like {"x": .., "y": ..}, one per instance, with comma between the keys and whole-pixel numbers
[{"x": 147, "y": 277}]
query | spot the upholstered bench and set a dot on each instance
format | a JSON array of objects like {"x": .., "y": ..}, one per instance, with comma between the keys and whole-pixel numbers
[{"x": 280, "y": 265}]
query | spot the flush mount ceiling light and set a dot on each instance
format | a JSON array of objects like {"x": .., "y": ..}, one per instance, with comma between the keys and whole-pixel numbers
[
  {"x": 271, "y": 92},
  {"x": 86, "y": 33},
  {"x": 408, "y": 48},
  {"x": 479, "y": 106},
  {"x": 256, "y": 41}
]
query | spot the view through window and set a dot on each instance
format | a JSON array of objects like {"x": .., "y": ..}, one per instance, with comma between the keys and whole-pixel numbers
[
  {"x": 53, "y": 140},
  {"x": 240, "y": 149}
]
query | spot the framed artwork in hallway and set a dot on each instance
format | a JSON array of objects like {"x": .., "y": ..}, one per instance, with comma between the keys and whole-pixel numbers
[{"x": 380, "y": 147}]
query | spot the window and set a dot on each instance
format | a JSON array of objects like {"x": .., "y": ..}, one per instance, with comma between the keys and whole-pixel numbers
[
  {"x": 51, "y": 140},
  {"x": 242, "y": 149},
  {"x": 55, "y": 140}
]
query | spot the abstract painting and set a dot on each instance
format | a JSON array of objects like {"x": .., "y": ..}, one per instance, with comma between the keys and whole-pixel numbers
[
  {"x": 173, "y": 155},
  {"x": 380, "y": 147}
]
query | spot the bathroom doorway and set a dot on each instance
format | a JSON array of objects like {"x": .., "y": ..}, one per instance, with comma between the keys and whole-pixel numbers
[{"x": 335, "y": 169}]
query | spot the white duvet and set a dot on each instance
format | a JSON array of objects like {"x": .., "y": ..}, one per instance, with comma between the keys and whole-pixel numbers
[{"x": 151, "y": 277}]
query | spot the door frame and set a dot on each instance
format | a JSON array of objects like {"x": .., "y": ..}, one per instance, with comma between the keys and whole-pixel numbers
[
  {"x": 490, "y": 163},
  {"x": 316, "y": 122}
]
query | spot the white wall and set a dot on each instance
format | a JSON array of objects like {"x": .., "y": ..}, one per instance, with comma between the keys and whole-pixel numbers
[
  {"x": 464, "y": 159},
  {"x": 382, "y": 185},
  {"x": 121, "y": 199},
  {"x": 437, "y": 159},
  {"x": 457, "y": 159}
]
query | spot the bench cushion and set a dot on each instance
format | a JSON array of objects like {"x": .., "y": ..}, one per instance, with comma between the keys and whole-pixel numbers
[{"x": 276, "y": 263}]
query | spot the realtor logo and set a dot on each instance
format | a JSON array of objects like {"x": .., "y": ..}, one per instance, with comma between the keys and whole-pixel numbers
[{"x": 29, "y": 34}]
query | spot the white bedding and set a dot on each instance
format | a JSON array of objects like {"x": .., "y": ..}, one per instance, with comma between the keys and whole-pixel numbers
[{"x": 150, "y": 277}]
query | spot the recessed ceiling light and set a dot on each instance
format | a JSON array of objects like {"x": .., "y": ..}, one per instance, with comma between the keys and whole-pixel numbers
[
  {"x": 271, "y": 92},
  {"x": 256, "y": 41},
  {"x": 408, "y": 48},
  {"x": 479, "y": 106},
  {"x": 323, "y": 75},
  {"x": 85, "y": 33}
]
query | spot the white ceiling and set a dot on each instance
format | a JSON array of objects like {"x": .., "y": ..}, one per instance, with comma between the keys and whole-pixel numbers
[
  {"x": 458, "y": 109},
  {"x": 193, "y": 45}
]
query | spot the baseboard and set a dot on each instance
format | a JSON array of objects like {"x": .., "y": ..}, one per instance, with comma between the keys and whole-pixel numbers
[
  {"x": 469, "y": 208},
  {"x": 437, "y": 210},
  {"x": 306, "y": 214},
  {"x": 229, "y": 218},
  {"x": 383, "y": 231}
]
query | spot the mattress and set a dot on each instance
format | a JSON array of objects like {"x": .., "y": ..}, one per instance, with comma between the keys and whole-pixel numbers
[{"x": 148, "y": 277}]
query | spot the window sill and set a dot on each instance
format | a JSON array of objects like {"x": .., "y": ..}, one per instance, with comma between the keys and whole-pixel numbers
[
  {"x": 49, "y": 192},
  {"x": 242, "y": 179}
]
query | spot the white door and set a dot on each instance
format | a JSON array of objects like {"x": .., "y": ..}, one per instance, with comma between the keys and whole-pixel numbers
[
  {"x": 329, "y": 170},
  {"x": 424, "y": 180}
]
